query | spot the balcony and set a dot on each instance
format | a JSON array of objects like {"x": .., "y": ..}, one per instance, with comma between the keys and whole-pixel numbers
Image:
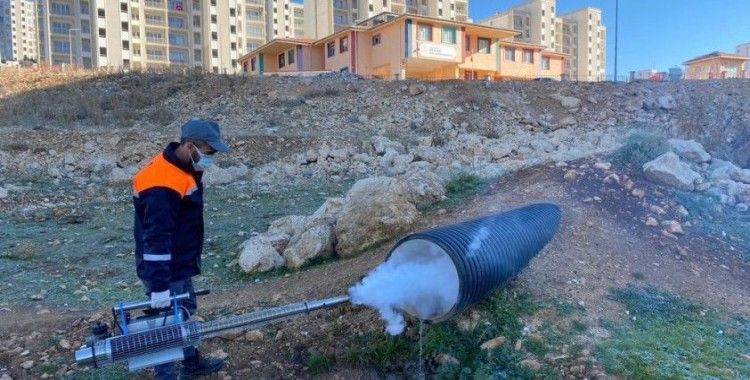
[{"x": 154, "y": 3}]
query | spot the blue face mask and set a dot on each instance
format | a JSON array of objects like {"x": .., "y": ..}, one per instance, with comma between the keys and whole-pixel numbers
[{"x": 204, "y": 161}]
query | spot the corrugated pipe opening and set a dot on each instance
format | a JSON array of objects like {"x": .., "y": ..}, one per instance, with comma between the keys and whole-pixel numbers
[{"x": 485, "y": 253}]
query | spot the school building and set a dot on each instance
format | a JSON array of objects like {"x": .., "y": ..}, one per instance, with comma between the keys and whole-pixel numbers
[{"x": 408, "y": 46}]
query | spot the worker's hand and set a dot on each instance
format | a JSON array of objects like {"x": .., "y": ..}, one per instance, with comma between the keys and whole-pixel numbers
[{"x": 160, "y": 299}]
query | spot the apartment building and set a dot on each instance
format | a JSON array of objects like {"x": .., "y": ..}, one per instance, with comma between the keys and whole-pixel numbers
[
  {"x": 580, "y": 34},
  {"x": 744, "y": 50},
  {"x": 716, "y": 65},
  {"x": 391, "y": 46},
  {"x": 535, "y": 19},
  {"x": 142, "y": 34},
  {"x": 325, "y": 17},
  {"x": 269, "y": 19},
  {"x": 585, "y": 41},
  {"x": 18, "y": 30}
]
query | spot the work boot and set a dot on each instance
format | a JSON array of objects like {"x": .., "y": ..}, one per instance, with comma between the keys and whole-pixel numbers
[{"x": 199, "y": 366}]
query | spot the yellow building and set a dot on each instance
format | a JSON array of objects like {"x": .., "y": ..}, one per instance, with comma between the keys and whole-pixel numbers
[
  {"x": 392, "y": 46},
  {"x": 716, "y": 65}
]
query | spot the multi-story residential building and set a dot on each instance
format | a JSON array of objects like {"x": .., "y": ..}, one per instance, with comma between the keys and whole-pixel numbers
[
  {"x": 18, "y": 30},
  {"x": 744, "y": 50},
  {"x": 325, "y": 17},
  {"x": 269, "y": 19},
  {"x": 408, "y": 46},
  {"x": 535, "y": 20},
  {"x": 585, "y": 40},
  {"x": 716, "y": 65},
  {"x": 579, "y": 34},
  {"x": 142, "y": 34}
]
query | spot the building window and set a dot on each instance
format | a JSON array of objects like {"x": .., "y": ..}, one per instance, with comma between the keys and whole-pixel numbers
[
  {"x": 125, "y": 26},
  {"x": 281, "y": 60},
  {"x": 449, "y": 35},
  {"x": 60, "y": 28},
  {"x": 102, "y": 32},
  {"x": 467, "y": 42},
  {"x": 424, "y": 32},
  {"x": 124, "y": 7},
  {"x": 60, "y": 9},
  {"x": 125, "y": 45},
  {"x": 214, "y": 36},
  {"x": 103, "y": 51},
  {"x": 331, "y": 49},
  {"x": 290, "y": 56},
  {"x": 177, "y": 39},
  {"x": 528, "y": 56},
  {"x": 376, "y": 39},
  {"x": 177, "y": 56},
  {"x": 483, "y": 45},
  {"x": 339, "y": 20},
  {"x": 176, "y": 22},
  {"x": 344, "y": 45},
  {"x": 252, "y": 64},
  {"x": 545, "y": 63},
  {"x": 215, "y": 53},
  {"x": 100, "y": 12},
  {"x": 60, "y": 47},
  {"x": 510, "y": 54}
]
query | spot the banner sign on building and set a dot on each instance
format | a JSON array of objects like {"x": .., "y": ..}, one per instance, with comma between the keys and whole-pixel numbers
[{"x": 436, "y": 51}]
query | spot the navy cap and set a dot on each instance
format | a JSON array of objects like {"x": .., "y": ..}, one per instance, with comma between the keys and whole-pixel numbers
[{"x": 204, "y": 130}]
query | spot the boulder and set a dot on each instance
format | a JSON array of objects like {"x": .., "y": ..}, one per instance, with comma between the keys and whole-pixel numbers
[
  {"x": 381, "y": 144},
  {"x": 570, "y": 102},
  {"x": 375, "y": 210},
  {"x": 259, "y": 255},
  {"x": 742, "y": 175},
  {"x": 667, "y": 169},
  {"x": 666, "y": 102},
  {"x": 216, "y": 175},
  {"x": 329, "y": 209},
  {"x": 120, "y": 175},
  {"x": 317, "y": 240},
  {"x": 720, "y": 169},
  {"x": 689, "y": 150},
  {"x": 423, "y": 187},
  {"x": 291, "y": 225}
]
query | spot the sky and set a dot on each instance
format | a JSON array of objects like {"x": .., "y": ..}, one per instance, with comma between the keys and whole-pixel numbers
[{"x": 656, "y": 34}]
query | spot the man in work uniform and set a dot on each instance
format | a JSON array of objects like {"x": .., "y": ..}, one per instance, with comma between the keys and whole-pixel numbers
[{"x": 168, "y": 199}]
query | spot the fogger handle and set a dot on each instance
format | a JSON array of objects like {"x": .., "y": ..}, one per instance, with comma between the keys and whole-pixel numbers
[{"x": 133, "y": 305}]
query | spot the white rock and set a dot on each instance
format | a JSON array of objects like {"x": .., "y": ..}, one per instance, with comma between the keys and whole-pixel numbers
[
  {"x": 375, "y": 209},
  {"x": 291, "y": 225},
  {"x": 423, "y": 187},
  {"x": 315, "y": 241},
  {"x": 603, "y": 165},
  {"x": 259, "y": 255},
  {"x": 742, "y": 175},
  {"x": 666, "y": 102},
  {"x": 720, "y": 169},
  {"x": 381, "y": 144},
  {"x": 667, "y": 169},
  {"x": 689, "y": 150},
  {"x": 672, "y": 226},
  {"x": 570, "y": 102},
  {"x": 329, "y": 209}
]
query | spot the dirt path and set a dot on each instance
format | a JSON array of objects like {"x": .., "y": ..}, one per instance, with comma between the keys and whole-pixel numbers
[{"x": 601, "y": 245}]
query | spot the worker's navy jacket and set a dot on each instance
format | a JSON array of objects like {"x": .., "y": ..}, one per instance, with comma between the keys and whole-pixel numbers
[{"x": 168, "y": 200}]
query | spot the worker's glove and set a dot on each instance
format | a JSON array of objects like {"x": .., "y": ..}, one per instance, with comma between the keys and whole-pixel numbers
[{"x": 160, "y": 299}]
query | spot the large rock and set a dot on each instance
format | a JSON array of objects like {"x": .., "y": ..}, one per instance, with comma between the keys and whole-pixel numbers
[
  {"x": 259, "y": 255},
  {"x": 423, "y": 187},
  {"x": 722, "y": 170},
  {"x": 291, "y": 225},
  {"x": 741, "y": 175},
  {"x": 689, "y": 150},
  {"x": 381, "y": 144},
  {"x": 317, "y": 240},
  {"x": 667, "y": 169},
  {"x": 329, "y": 209},
  {"x": 570, "y": 102},
  {"x": 375, "y": 210}
]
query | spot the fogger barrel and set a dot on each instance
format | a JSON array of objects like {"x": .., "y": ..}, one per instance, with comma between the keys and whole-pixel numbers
[
  {"x": 146, "y": 348},
  {"x": 486, "y": 252}
]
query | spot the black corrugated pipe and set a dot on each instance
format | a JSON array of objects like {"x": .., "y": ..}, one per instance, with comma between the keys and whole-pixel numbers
[{"x": 486, "y": 252}]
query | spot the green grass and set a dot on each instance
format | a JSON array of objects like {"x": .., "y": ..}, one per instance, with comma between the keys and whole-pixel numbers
[
  {"x": 107, "y": 373},
  {"x": 673, "y": 338},
  {"x": 460, "y": 188},
  {"x": 639, "y": 148},
  {"x": 318, "y": 363},
  {"x": 502, "y": 314}
]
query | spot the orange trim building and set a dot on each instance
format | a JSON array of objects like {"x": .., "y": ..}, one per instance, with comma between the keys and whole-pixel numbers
[
  {"x": 716, "y": 65},
  {"x": 409, "y": 47}
]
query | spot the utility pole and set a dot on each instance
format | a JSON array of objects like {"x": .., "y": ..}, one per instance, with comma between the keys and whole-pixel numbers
[{"x": 617, "y": 19}]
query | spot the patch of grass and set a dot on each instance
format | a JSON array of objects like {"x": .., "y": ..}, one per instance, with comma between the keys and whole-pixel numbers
[
  {"x": 318, "y": 363},
  {"x": 109, "y": 373},
  {"x": 673, "y": 338},
  {"x": 639, "y": 148},
  {"x": 381, "y": 351},
  {"x": 21, "y": 251},
  {"x": 459, "y": 188}
]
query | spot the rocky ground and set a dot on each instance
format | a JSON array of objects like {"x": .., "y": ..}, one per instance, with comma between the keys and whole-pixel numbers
[{"x": 290, "y": 218}]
